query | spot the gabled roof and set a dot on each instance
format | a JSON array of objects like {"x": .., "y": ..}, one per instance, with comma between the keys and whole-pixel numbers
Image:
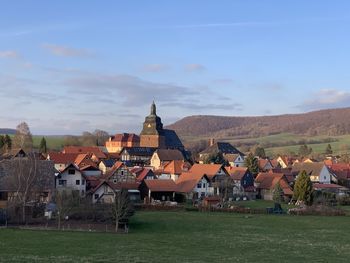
[
  {"x": 172, "y": 140},
  {"x": 108, "y": 163},
  {"x": 118, "y": 186},
  {"x": 84, "y": 149},
  {"x": 210, "y": 170},
  {"x": 188, "y": 181},
  {"x": 70, "y": 166},
  {"x": 237, "y": 173},
  {"x": 161, "y": 185},
  {"x": 140, "y": 151},
  {"x": 263, "y": 163},
  {"x": 176, "y": 167},
  {"x": 222, "y": 147},
  {"x": 269, "y": 180},
  {"x": 141, "y": 173},
  {"x": 62, "y": 158},
  {"x": 125, "y": 137},
  {"x": 169, "y": 154},
  {"x": 313, "y": 169}
]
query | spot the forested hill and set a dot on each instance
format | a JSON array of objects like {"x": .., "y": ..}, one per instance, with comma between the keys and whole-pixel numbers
[
  {"x": 324, "y": 122},
  {"x": 7, "y": 131}
]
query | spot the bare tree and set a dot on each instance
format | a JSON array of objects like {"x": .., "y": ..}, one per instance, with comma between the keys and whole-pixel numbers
[
  {"x": 101, "y": 137},
  {"x": 122, "y": 208},
  {"x": 65, "y": 201},
  {"x": 28, "y": 178},
  {"x": 23, "y": 137}
]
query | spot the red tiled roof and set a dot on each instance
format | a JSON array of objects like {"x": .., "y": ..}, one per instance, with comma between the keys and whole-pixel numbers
[
  {"x": 125, "y": 137},
  {"x": 85, "y": 149},
  {"x": 237, "y": 173},
  {"x": 188, "y": 181},
  {"x": 175, "y": 167},
  {"x": 161, "y": 185},
  {"x": 327, "y": 186},
  {"x": 210, "y": 170},
  {"x": 269, "y": 181},
  {"x": 62, "y": 158}
]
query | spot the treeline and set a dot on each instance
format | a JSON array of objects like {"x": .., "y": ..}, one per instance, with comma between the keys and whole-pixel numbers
[
  {"x": 96, "y": 138},
  {"x": 326, "y": 122}
]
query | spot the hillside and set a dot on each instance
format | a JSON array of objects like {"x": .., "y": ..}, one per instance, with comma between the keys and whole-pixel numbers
[
  {"x": 333, "y": 122},
  {"x": 7, "y": 131}
]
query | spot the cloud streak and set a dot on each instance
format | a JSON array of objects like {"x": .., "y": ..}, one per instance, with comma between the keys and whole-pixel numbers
[
  {"x": 64, "y": 51},
  {"x": 327, "y": 98},
  {"x": 9, "y": 54}
]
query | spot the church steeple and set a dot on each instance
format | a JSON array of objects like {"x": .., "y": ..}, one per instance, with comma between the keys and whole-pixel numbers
[{"x": 153, "y": 109}]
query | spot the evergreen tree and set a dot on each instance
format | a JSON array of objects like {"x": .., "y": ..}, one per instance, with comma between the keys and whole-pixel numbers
[
  {"x": 260, "y": 151},
  {"x": 303, "y": 188},
  {"x": 43, "y": 147},
  {"x": 251, "y": 162},
  {"x": 217, "y": 158},
  {"x": 8, "y": 142},
  {"x": 329, "y": 149},
  {"x": 304, "y": 150},
  {"x": 2, "y": 141},
  {"x": 278, "y": 195}
]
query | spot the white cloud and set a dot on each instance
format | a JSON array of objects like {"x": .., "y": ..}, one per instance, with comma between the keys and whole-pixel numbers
[
  {"x": 194, "y": 67},
  {"x": 64, "y": 51},
  {"x": 9, "y": 54},
  {"x": 327, "y": 98}
]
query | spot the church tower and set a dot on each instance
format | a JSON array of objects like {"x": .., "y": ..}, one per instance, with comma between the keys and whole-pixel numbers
[{"x": 152, "y": 134}]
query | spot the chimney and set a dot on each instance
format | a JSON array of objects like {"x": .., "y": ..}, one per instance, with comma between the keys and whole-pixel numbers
[{"x": 211, "y": 142}]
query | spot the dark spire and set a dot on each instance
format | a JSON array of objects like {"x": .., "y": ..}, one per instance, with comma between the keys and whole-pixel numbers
[{"x": 153, "y": 109}]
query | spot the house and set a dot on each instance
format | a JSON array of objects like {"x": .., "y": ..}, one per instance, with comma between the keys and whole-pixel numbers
[
  {"x": 216, "y": 173},
  {"x": 106, "y": 165},
  {"x": 318, "y": 172},
  {"x": 194, "y": 185},
  {"x": 116, "y": 143},
  {"x": 15, "y": 153},
  {"x": 163, "y": 190},
  {"x": 62, "y": 160},
  {"x": 142, "y": 173},
  {"x": 243, "y": 181},
  {"x": 137, "y": 156},
  {"x": 105, "y": 192},
  {"x": 265, "y": 183},
  {"x": 342, "y": 172},
  {"x": 41, "y": 181},
  {"x": 71, "y": 178},
  {"x": 90, "y": 170},
  {"x": 120, "y": 173},
  {"x": 285, "y": 161},
  {"x": 173, "y": 169},
  {"x": 162, "y": 156},
  {"x": 96, "y": 153},
  {"x": 264, "y": 165},
  {"x": 229, "y": 152},
  {"x": 85, "y": 159}
]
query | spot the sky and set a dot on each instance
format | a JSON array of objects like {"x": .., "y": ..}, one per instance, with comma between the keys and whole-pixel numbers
[{"x": 73, "y": 66}]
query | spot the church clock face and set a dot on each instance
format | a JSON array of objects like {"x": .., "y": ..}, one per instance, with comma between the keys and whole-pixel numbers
[{"x": 149, "y": 125}]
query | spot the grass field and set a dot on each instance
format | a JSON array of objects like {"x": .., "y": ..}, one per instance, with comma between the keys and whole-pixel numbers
[{"x": 190, "y": 237}]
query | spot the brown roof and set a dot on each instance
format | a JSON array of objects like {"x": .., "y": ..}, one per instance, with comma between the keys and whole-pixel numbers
[
  {"x": 161, "y": 185},
  {"x": 310, "y": 168},
  {"x": 176, "y": 167},
  {"x": 85, "y": 149},
  {"x": 210, "y": 170},
  {"x": 269, "y": 180},
  {"x": 83, "y": 160},
  {"x": 237, "y": 173},
  {"x": 263, "y": 163},
  {"x": 126, "y": 137},
  {"x": 62, "y": 158},
  {"x": 141, "y": 173},
  {"x": 169, "y": 154},
  {"x": 187, "y": 181}
]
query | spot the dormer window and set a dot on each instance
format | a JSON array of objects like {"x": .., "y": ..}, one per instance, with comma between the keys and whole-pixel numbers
[{"x": 71, "y": 171}]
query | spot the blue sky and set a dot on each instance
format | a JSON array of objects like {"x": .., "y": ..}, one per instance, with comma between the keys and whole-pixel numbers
[{"x": 71, "y": 66}]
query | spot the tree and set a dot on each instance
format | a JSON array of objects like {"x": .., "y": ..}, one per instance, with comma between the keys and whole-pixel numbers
[
  {"x": 304, "y": 150},
  {"x": 23, "y": 138},
  {"x": 217, "y": 158},
  {"x": 65, "y": 201},
  {"x": 43, "y": 147},
  {"x": 101, "y": 137},
  {"x": 260, "y": 151},
  {"x": 251, "y": 162},
  {"x": 329, "y": 149},
  {"x": 8, "y": 142},
  {"x": 303, "y": 188},
  {"x": 2, "y": 143},
  {"x": 70, "y": 140},
  {"x": 88, "y": 139},
  {"x": 122, "y": 208},
  {"x": 278, "y": 195}
]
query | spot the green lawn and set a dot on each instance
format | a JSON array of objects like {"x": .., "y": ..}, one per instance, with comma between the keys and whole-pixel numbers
[{"x": 190, "y": 237}]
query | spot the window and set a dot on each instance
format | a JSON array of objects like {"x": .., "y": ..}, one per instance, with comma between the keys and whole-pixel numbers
[
  {"x": 83, "y": 182},
  {"x": 77, "y": 182},
  {"x": 203, "y": 185},
  {"x": 115, "y": 181},
  {"x": 62, "y": 182},
  {"x": 71, "y": 171},
  {"x": 122, "y": 172},
  {"x": 199, "y": 185},
  {"x": 96, "y": 196},
  {"x": 324, "y": 177}
]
